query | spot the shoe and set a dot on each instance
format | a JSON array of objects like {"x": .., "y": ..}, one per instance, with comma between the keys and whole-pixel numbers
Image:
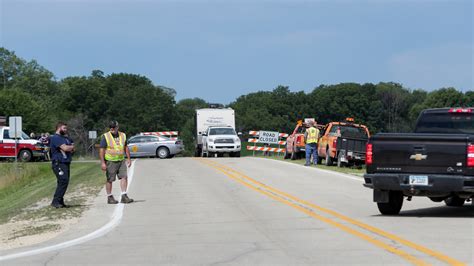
[
  {"x": 126, "y": 199},
  {"x": 307, "y": 164},
  {"x": 57, "y": 206},
  {"x": 64, "y": 205},
  {"x": 111, "y": 200}
]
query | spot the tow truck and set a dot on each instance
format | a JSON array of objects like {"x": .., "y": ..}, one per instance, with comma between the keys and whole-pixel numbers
[{"x": 344, "y": 143}]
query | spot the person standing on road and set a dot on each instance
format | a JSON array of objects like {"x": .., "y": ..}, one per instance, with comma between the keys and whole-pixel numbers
[
  {"x": 311, "y": 136},
  {"x": 113, "y": 147},
  {"x": 62, "y": 148}
]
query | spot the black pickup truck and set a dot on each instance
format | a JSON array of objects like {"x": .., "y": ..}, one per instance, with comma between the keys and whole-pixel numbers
[{"x": 436, "y": 161}]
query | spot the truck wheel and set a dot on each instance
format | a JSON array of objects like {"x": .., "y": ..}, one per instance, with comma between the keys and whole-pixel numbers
[
  {"x": 454, "y": 201},
  {"x": 328, "y": 158},
  {"x": 286, "y": 155},
  {"x": 320, "y": 160},
  {"x": 162, "y": 153},
  {"x": 25, "y": 156},
  {"x": 394, "y": 204},
  {"x": 198, "y": 153},
  {"x": 340, "y": 163},
  {"x": 234, "y": 154}
]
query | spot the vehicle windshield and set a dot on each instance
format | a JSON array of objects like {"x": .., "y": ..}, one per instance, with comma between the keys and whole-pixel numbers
[
  {"x": 221, "y": 131},
  {"x": 353, "y": 132},
  {"x": 446, "y": 123}
]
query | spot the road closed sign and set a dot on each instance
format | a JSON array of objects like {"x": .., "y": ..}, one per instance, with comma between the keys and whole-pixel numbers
[{"x": 269, "y": 137}]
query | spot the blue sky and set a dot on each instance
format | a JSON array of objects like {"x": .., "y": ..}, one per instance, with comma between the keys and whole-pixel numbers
[{"x": 219, "y": 50}]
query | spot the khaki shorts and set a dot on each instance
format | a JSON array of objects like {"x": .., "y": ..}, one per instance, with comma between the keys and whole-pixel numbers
[{"x": 116, "y": 169}]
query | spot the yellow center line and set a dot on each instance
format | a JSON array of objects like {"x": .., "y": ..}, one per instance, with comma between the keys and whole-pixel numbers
[
  {"x": 347, "y": 229},
  {"x": 372, "y": 229}
]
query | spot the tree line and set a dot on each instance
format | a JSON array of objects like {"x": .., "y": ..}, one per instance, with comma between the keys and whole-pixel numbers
[{"x": 90, "y": 102}]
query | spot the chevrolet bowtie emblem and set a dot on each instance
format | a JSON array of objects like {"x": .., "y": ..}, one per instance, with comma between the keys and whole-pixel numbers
[{"x": 418, "y": 157}]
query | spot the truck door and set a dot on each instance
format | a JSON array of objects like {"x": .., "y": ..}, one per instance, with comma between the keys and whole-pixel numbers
[
  {"x": 323, "y": 142},
  {"x": 7, "y": 145}
]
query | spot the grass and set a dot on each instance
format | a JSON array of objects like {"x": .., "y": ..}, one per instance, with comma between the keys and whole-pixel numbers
[
  {"x": 345, "y": 170},
  {"x": 34, "y": 182}
]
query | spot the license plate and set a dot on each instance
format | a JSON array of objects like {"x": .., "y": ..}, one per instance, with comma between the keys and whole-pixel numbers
[{"x": 421, "y": 180}]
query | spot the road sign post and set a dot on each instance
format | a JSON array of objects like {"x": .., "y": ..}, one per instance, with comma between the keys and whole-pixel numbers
[{"x": 15, "y": 131}]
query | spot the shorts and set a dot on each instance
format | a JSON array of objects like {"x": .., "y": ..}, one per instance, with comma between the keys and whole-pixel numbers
[{"x": 116, "y": 169}]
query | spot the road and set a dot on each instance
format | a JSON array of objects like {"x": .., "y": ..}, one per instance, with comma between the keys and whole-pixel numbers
[{"x": 253, "y": 211}]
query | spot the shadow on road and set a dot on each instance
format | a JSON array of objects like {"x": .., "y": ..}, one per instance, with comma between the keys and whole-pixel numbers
[{"x": 441, "y": 211}]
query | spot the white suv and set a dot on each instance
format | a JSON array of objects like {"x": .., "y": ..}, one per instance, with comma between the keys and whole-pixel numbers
[{"x": 219, "y": 140}]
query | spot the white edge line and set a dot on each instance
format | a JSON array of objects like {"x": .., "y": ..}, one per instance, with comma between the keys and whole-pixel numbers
[
  {"x": 114, "y": 221},
  {"x": 360, "y": 179}
]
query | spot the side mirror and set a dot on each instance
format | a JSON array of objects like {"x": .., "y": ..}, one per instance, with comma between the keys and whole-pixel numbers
[{"x": 204, "y": 134}]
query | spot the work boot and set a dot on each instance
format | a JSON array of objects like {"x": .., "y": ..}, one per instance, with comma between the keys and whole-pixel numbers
[
  {"x": 126, "y": 199},
  {"x": 111, "y": 200},
  {"x": 307, "y": 164}
]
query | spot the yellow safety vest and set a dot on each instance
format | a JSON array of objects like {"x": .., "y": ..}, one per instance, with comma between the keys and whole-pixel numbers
[
  {"x": 115, "y": 147},
  {"x": 313, "y": 135}
]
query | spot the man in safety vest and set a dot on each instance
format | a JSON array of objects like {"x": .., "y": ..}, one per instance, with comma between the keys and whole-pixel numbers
[
  {"x": 311, "y": 137},
  {"x": 113, "y": 148}
]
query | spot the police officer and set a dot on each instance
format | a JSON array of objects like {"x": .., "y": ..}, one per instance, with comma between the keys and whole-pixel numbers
[
  {"x": 113, "y": 147},
  {"x": 62, "y": 148},
  {"x": 311, "y": 139}
]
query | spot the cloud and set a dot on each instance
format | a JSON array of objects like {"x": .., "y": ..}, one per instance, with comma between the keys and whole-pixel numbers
[{"x": 448, "y": 65}]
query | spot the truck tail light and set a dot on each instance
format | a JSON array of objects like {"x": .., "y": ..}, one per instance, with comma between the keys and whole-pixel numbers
[
  {"x": 369, "y": 155},
  {"x": 299, "y": 140},
  {"x": 460, "y": 110},
  {"x": 470, "y": 155},
  {"x": 334, "y": 143}
]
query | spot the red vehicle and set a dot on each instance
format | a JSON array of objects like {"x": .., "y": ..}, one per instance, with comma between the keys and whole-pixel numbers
[
  {"x": 27, "y": 150},
  {"x": 295, "y": 144}
]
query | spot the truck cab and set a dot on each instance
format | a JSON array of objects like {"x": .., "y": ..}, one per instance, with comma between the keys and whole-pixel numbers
[
  {"x": 295, "y": 144},
  {"x": 27, "y": 149},
  {"x": 219, "y": 140}
]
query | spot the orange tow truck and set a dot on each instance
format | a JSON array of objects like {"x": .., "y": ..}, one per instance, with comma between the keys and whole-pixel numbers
[
  {"x": 344, "y": 143},
  {"x": 295, "y": 144}
]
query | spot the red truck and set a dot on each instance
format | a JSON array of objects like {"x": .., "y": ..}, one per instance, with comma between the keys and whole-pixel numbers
[{"x": 27, "y": 150}]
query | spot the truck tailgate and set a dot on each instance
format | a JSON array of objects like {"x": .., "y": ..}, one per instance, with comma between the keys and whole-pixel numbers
[{"x": 419, "y": 153}]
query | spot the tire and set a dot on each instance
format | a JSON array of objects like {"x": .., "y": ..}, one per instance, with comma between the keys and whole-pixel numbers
[
  {"x": 286, "y": 155},
  {"x": 237, "y": 154},
  {"x": 170, "y": 156},
  {"x": 328, "y": 158},
  {"x": 394, "y": 204},
  {"x": 340, "y": 163},
  {"x": 198, "y": 152},
  {"x": 25, "y": 156},
  {"x": 162, "y": 152},
  {"x": 454, "y": 201}
]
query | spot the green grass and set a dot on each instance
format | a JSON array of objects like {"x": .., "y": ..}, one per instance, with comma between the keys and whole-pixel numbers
[
  {"x": 34, "y": 182},
  {"x": 345, "y": 170}
]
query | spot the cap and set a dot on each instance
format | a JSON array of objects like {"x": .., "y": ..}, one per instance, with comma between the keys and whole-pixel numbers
[{"x": 113, "y": 124}]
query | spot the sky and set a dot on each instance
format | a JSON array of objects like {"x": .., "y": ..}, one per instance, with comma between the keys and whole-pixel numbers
[{"x": 219, "y": 50}]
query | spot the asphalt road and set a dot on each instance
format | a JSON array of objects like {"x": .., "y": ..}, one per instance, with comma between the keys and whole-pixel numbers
[{"x": 251, "y": 211}]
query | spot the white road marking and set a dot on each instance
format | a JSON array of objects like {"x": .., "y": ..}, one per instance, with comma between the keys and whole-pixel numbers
[
  {"x": 114, "y": 221},
  {"x": 317, "y": 169}
]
